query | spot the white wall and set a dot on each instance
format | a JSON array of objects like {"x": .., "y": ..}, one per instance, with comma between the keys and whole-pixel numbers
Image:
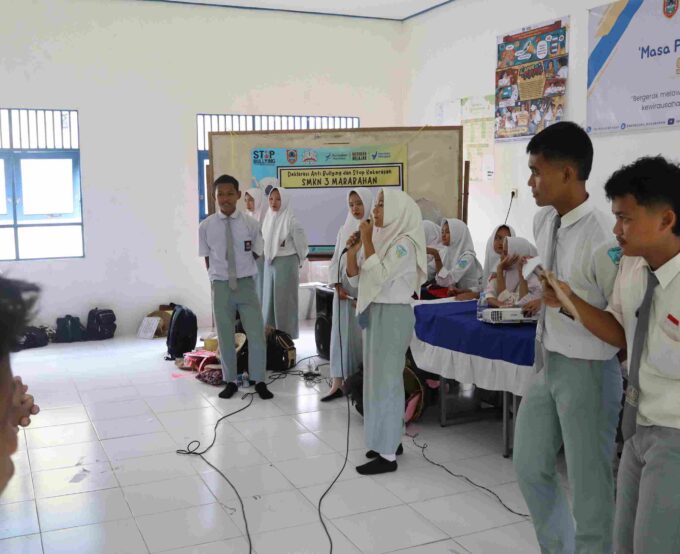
[
  {"x": 139, "y": 73},
  {"x": 451, "y": 54}
]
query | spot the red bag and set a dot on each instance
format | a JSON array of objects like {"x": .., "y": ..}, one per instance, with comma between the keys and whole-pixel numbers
[{"x": 198, "y": 359}]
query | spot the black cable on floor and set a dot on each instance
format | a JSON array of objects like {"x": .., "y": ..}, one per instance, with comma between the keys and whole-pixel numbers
[{"x": 422, "y": 449}]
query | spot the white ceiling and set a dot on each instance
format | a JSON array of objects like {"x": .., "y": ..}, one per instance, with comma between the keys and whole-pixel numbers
[{"x": 376, "y": 9}]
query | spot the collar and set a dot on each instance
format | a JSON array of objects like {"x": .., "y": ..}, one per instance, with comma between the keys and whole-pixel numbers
[
  {"x": 578, "y": 213},
  {"x": 232, "y": 216},
  {"x": 668, "y": 271}
]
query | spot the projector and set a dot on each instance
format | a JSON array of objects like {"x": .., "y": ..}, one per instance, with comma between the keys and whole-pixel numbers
[{"x": 505, "y": 315}]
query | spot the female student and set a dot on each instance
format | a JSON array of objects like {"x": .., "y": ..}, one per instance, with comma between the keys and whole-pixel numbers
[
  {"x": 285, "y": 247},
  {"x": 345, "y": 332},
  {"x": 256, "y": 206},
  {"x": 433, "y": 239},
  {"x": 494, "y": 249},
  {"x": 457, "y": 268},
  {"x": 394, "y": 265},
  {"x": 507, "y": 286}
]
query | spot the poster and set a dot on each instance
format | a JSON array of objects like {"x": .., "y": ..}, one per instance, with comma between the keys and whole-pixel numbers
[
  {"x": 477, "y": 118},
  {"x": 531, "y": 79},
  {"x": 633, "y": 66},
  {"x": 324, "y": 168}
]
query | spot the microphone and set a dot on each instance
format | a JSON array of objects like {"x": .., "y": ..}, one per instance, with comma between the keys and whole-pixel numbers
[{"x": 346, "y": 248}]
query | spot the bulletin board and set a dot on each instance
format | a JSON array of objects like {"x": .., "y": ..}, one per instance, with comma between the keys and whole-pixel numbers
[{"x": 431, "y": 159}]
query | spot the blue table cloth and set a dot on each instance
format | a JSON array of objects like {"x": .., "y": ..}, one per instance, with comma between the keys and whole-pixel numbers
[{"x": 454, "y": 326}]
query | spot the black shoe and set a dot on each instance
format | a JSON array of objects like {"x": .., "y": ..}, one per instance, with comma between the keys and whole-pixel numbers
[
  {"x": 263, "y": 391},
  {"x": 379, "y": 465},
  {"x": 333, "y": 396},
  {"x": 229, "y": 390},
  {"x": 373, "y": 454}
]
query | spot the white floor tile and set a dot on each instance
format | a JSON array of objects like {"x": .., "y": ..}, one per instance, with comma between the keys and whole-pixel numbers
[
  {"x": 308, "y": 403},
  {"x": 75, "y": 510},
  {"x": 60, "y": 435},
  {"x": 109, "y": 395},
  {"x": 59, "y": 416},
  {"x": 116, "y": 410},
  {"x": 389, "y": 529},
  {"x": 329, "y": 419},
  {"x": 315, "y": 470},
  {"x": 353, "y": 496},
  {"x": 273, "y": 511},
  {"x": 134, "y": 471},
  {"x": 259, "y": 409},
  {"x": 231, "y": 546},
  {"x": 440, "y": 547},
  {"x": 19, "y": 489},
  {"x": 270, "y": 427},
  {"x": 225, "y": 457},
  {"x": 19, "y": 518},
  {"x": 135, "y": 447},
  {"x": 249, "y": 481},
  {"x": 27, "y": 544},
  {"x": 201, "y": 417},
  {"x": 305, "y": 539},
  {"x": 56, "y": 457},
  {"x": 74, "y": 480},
  {"x": 511, "y": 494},
  {"x": 190, "y": 527},
  {"x": 176, "y": 402},
  {"x": 278, "y": 449},
  {"x": 422, "y": 483},
  {"x": 165, "y": 496},
  {"x": 179, "y": 386},
  {"x": 337, "y": 438},
  {"x": 487, "y": 471},
  {"x": 465, "y": 513},
  {"x": 21, "y": 464},
  {"x": 114, "y": 537},
  {"x": 127, "y": 426},
  {"x": 511, "y": 539}
]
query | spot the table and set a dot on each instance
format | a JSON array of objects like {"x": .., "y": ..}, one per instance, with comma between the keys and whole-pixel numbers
[{"x": 450, "y": 342}]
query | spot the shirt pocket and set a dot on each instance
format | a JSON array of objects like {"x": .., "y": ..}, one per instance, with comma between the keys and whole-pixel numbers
[{"x": 664, "y": 354}]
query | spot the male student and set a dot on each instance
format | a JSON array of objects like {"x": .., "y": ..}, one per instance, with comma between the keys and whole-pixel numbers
[
  {"x": 576, "y": 397},
  {"x": 230, "y": 241},
  {"x": 16, "y": 406},
  {"x": 644, "y": 316}
]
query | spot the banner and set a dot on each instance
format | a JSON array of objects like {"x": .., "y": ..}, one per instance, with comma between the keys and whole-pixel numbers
[
  {"x": 633, "y": 65},
  {"x": 531, "y": 79},
  {"x": 478, "y": 125},
  {"x": 323, "y": 168}
]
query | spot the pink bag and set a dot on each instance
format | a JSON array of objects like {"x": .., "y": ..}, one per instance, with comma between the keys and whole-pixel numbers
[{"x": 198, "y": 359}]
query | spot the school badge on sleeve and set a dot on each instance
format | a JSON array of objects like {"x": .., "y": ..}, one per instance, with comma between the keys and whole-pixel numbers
[
  {"x": 462, "y": 264},
  {"x": 401, "y": 251},
  {"x": 615, "y": 255}
]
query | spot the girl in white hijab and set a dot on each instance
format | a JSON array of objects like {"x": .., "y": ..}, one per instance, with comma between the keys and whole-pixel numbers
[
  {"x": 285, "y": 248},
  {"x": 507, "y": 286},
  {"x": 494, "y": 249},
  {"x": 257, "y": 206},
  {"x": 345, "y": 331},
  {"x": 393, "y": 267},
  {"x": 457, "y": 265},
  {"x": 433, "y": 240}
]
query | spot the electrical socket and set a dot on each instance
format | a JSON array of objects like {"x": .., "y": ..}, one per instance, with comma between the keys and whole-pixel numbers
[{"x": 514, "y": 193}]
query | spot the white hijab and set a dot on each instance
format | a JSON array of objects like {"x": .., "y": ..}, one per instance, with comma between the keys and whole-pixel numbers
[
  {"x": 277, "y": 225},
  {"x": 459, "y": 244},
  {"x": 261, "y": 204},
  {"x": 351, "y": 224},
  {"x": 521, "y": 247},
  {"x": 433, "y": 233},
  {"x": 491, "y": 259},
  {"x": 401, "y": 218}
]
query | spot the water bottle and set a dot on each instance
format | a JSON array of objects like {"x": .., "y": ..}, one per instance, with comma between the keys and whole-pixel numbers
[
  {"x": 481, "y": 305},
  {"x": 246, "y": 379}
]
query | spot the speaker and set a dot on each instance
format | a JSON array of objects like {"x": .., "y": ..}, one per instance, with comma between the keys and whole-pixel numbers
[{"x": 324, "y": 319}]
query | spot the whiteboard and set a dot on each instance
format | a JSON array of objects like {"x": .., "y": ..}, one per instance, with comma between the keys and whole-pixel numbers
[{"x": 433, "y": 170}]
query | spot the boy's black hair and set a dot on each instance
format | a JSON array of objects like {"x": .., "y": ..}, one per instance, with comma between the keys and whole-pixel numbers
[
  {"x": 565, "y": 141},
  {"x": 225, "y": 180},
  {"x": 652, "y": 181},
  {"x": 17, "y": 299}
]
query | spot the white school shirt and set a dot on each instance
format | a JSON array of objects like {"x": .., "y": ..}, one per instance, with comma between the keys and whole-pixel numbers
[
  {"x": 212, "y": 242},
  {"x": 397, "y": 285},
  {"x": 582, "y": 259},
  {"x": 464, "y": 273},
  {"x": 659, "y": 401},
  {"x": 295, "y": 242}
]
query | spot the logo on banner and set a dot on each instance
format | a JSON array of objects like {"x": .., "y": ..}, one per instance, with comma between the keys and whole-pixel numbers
[
  {"x": 264, "y": 157},
  {"x": 309, "y": 156},
  {"x": 291, "y": 156},
  {"x": 359, "y": 156},
  {"x": 670, "y": 8}
]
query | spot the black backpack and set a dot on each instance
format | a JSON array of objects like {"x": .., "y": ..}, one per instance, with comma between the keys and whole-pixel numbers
[
  {"x": 69, "y": 329},
  {"x": 281, "y": 353},
  {"x": 33, "y": 337},
  {"x": 101, "y": 324},
  {"x": 183, "y": 332}
]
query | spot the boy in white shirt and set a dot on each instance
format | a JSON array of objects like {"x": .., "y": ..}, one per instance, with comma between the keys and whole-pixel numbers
[
  {"x": 231, "y": 241},
  {"x": 643, "y": 316}
]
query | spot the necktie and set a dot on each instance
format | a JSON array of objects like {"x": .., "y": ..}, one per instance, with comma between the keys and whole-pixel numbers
[
  {"x": 630, "y": 408},
  {"x": 549, "y": 264},
  {"x": 231, "y": 257}
]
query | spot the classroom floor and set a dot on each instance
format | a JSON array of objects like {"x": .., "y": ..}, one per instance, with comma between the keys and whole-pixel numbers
[{"x": 97, "y": 470}]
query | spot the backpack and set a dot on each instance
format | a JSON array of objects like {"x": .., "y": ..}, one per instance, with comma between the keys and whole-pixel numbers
[
  {"x": 101, "y": 324},
  {"x": 281, "y": 353},
  {"x": 69, "y": 329},
  {"x": 182, "y": 334},
  {"x": 33, "y": 337}
]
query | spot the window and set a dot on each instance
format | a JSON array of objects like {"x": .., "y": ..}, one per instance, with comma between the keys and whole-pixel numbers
[
  {"x": 40, "y": 207},
  {"x": 209, "y": 123}
]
